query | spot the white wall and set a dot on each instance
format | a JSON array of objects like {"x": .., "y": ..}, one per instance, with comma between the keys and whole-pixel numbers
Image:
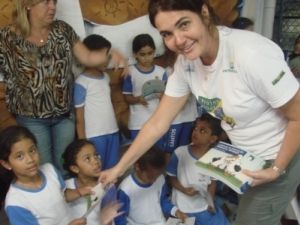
[{"x": 262, "y": 12}]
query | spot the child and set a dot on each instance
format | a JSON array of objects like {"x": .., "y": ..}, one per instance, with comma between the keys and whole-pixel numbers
[
  {"x": 36, "y": 194},
  {"x": 180, "y": 130},
  {"x": 143, "y": 48},
  {"x": 142, "y": 191},
  {"x": 82, "y": 161},
  {"x": 95, "y": 116},
  {"x": 190, "y": 188}
]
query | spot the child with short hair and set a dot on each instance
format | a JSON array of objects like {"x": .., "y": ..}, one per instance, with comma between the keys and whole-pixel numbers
[
  {"x": 37, "y": 193},
  {"x": 144, "y": 193},
  {"x": 84, "y": 164},
  {"x": 95, "y": 116},
  {"x": 189, "y": 185},
  {"x": 143, "y": 48}
]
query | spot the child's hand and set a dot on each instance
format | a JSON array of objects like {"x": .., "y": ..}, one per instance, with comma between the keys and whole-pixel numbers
[
  {"x": 211, "y": 209},
  {"x": 180, "y": 215},
  {"x": 84, "y": 191},
  {"x": 109, "y": 212},
  {"x": 190, "y": 191},
  {"x": 80, "y": 221},
  {"x": 142, "y": 101}
]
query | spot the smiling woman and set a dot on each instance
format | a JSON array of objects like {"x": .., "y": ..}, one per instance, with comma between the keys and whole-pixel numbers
[{"x": 229, "y": 80}]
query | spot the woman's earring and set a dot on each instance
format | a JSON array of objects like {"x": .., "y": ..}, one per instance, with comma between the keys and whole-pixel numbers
[{"x": 28, "y": 8}]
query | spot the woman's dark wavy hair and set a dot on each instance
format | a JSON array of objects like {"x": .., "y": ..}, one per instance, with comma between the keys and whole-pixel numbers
[
  {"x": 8, "y": 137},
  {"x": 71, "y": 152},
  {"x": 156, "y": 6}
]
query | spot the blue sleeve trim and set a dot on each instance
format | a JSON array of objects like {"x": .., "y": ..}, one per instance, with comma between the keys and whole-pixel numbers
[
  {"x": 165, "y": 202},
  {"x": 165, "y": 77},
  {"x": 172, "y": 165},
  {"x": 20, "y": 216},
  {"x": 123, "y": 198},
  {"x": 79, "y": 94},
  {"x": 127, "y": 85}
]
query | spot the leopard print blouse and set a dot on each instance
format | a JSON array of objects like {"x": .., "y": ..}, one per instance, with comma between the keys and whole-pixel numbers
[{"x": 39, "y": 80}]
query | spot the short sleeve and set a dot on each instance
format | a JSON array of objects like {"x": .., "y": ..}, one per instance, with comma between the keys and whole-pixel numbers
[
  {"x": 177, "y": 85},
  {"x": 20, "y": 216},
  {"x": 172, "y": 166},
  {"x": 127, "y": 85},
  {"x": 68, "y": 31},
  {"x": 79, "y": 95},
  {"x": 269, "y": 76}
]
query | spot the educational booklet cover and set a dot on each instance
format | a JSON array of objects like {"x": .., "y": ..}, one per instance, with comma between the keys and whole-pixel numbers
[
  {"x": 153, "y": 89},
  {"x": 225, "y": 162}
]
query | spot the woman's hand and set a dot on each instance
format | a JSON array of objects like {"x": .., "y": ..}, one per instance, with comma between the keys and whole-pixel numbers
[
  {"x": 109, "y": 176},
  {"x": 118, "y": 60},
  {"x": 262, "y": 176}
]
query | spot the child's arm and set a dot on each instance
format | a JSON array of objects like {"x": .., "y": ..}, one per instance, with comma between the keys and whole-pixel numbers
[
  {"x": 132, "y": 100},
  {"x": 212, "y": 188},
  {"x": 168, "y": 208},
  {"x": 80, "y": 127},
  {"x": 190, "y": 191},
  {"x": 74, "y": 194}
]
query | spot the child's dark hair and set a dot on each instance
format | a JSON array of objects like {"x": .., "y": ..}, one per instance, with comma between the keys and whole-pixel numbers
[
  {"x": 71, "y": 152},
  {"x": 153, "y": 158},
  {"x": 8, "y": 137},
  {"x": 214, "y": 123},
  {"x": 96, "y": 42},
  {"x": 242, "y": 23},
  {"x": 141, "y": 41}
]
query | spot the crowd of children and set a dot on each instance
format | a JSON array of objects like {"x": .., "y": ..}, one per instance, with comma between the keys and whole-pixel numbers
[{"x": 164, "y": 182}]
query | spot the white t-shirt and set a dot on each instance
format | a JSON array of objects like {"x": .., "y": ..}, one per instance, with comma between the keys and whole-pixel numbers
[
  {"x": 133, "y": 84},
  {"x": 183, "y": 166},
  {"x": 45, "y": 205},
  {"x": 248, "y": 79},
  {"x": 94, "y": 94},
  {"x": 80, "y": 206}
]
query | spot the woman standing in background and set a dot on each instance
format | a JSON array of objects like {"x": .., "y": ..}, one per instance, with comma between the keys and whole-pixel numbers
[{"x": 36, "y": 58}]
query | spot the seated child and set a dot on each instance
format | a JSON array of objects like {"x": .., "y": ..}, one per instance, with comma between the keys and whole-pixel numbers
[
  {"x": 84, "y": 164},
  {"x": 37, "y": 193},
  {"x": 143, "y": 193},
  {"x": 190, "y": 187},
  {"x": 95, "y": 116}
]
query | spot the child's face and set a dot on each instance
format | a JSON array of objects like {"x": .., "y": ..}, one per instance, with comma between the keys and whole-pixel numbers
[
  {"x": 145, "y": 57},
  {"x": 23, "y": 159},
  {"x": 149, "y": 175},
  {"x": 202, "y": 134},
  {"x": 88, "y": 162}
]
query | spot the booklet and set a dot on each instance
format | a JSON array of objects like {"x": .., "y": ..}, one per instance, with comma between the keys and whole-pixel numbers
[
  {"x": 225, "y": 162},
  {"x": 153, "y": 89},
  {"x": 175, "y": 221},
  {"x": 95, "y": 198}
]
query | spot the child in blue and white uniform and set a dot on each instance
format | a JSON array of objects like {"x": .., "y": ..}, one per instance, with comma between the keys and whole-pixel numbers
[
  {"x": 95, "y": 116},
  {"x": 84, "y": 164},
  {"x": 143, "y": 48},
  {"x": 143, "y": 193},
  {"x": 37, "y": 194},
  {"x": 190, "y": 186}
]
